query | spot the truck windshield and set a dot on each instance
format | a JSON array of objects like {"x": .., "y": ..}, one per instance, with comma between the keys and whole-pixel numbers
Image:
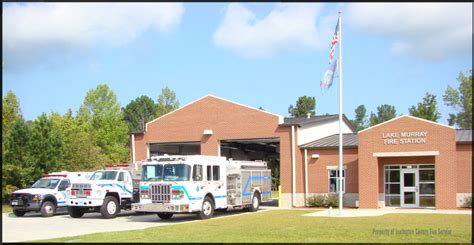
[
  {"x": 104, "y": 175},
  {"x": 152, "y": 172},
  {"x": 176, "y": 172},
  {"x": 46, "y": 183}
]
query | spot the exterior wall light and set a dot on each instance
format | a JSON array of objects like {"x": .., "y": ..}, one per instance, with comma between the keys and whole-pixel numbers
[
  {"x": 315, "y": 156},
  {"x": 207, "y": 132}
]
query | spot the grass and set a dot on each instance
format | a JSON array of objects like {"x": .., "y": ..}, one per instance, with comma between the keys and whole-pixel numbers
[
  {"x": 291, "y": 226},
  {"x": 6, "y": 208}
]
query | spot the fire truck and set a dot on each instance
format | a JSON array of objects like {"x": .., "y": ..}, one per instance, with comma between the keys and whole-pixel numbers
[
  {"x": 201, "y": 184},
  {"x": 107, "y": 191},
  {"x": 47, "y": 195}
]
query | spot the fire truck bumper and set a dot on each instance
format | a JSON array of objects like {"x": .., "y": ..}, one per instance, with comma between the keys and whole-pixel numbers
[
  {"x": 84, "y": 202},
  {"x": 160, "y": 207}
]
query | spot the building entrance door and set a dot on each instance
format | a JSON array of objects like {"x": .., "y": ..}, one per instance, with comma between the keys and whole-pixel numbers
[{"x": 409, "y": 191}]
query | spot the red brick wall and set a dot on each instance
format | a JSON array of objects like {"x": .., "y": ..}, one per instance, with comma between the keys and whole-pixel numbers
[
  {"x": 439, "y": 138},
  {"x": 318, "y": 173},
  {"x": 227, "y": 121},
  {"x": 464, "y": 165}
]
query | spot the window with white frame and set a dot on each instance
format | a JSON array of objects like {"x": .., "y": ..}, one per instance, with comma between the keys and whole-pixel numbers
[{"x": 333, "y": 177}]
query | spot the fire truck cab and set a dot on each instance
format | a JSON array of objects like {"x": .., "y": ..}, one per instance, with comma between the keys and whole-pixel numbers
[{"x": 107, "y": 191}]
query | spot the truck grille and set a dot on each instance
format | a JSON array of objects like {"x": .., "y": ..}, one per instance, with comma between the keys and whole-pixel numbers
[
  {"x": 81, "y": 186},
  {"x": 160, "y": 193}
]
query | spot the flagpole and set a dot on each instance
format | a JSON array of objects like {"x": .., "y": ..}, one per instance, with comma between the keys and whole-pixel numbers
[{"x": 340, "y": 114}]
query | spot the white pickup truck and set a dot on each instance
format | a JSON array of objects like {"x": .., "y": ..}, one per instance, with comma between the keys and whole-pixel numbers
[
  {"x": 46, "y": 195},
  {"x": 107, "y": 191}
]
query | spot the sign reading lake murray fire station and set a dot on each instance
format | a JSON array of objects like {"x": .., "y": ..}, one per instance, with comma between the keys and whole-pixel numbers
[{"x": 395, "y": 138}]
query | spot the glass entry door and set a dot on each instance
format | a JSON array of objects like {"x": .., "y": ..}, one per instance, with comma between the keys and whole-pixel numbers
[{"x": 409, "y": 191}]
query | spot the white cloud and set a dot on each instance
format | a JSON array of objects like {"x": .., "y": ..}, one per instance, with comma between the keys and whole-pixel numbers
[
  {"x": 288, "y": 27},
  {"x": 430, "y": 31},
  {"x": 38, "y": 33}
]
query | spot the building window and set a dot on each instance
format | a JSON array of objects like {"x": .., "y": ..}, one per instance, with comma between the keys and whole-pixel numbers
[
  {"x": 392, "y": 185},
  {"x": 333, "y": 181},
  {"x": 427, "y": 185}
]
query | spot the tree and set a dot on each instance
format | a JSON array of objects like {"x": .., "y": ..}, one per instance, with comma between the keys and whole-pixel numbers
[
  {"x": 101, "y": 110},
  {"x": 11, "y": 112},
  {"x": 304, "y": 105},
  {"x": 45, "y": 148},
  {"x": 384, "y": 113},
  {"x": 461, "y": 101},
  {"x": 167, "y": 102},
  {"x": 427, "y": 109},
  {"x": 80, "y": 153},
  {"x": 15, "y": 160},
  {"x": 360, "y": 121},
  {"x": 138, "y": 112}
]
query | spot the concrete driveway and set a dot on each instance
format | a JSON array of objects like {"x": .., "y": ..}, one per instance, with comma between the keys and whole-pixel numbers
[{"x": 34, "y": 227}]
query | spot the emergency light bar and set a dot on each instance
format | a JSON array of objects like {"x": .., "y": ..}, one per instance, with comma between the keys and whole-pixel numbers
[
  {"x": 117, "y": 165},
  {"x": 55, "y": 175}
]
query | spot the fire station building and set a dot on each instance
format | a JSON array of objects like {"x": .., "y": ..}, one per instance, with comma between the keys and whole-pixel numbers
[{"x": 403, "y": 162}]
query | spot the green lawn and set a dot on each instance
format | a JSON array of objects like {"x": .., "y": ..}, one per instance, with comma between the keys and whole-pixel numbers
[
  {"x": 6, "y": 208},
  {"x": 290, "y": 226}
]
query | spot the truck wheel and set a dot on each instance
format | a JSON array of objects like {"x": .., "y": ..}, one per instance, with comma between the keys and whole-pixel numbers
[
  {"x": 75, "y": 212},
  {"x": 110, "y": 208},
  {"x": 48, "y": 209},
  {"x": 255, "y": 202},
  {"x": 165, "y": 215},
  {"x": 19, "y": 213},
  {"x": 207, "y": 209}
]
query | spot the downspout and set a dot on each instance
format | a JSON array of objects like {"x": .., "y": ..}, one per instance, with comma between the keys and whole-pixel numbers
[
  {"x": 305, "y": 176},
  {"x": 133, "y": 148},
  {"x": 293, "y": 166}
]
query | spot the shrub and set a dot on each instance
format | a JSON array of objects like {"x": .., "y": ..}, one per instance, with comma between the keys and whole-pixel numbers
[
  {"x": 468, "y": 202},
  {"x": 316, "y": 200},
  {"x": 332, "y": 200},
  {"x": 7, "y": 190}
]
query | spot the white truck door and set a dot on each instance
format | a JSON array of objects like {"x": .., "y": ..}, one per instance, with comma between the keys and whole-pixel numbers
[
  {"x": 218, "y": 186},
  {"x": 128, "y": 184},
  {"x": 198, "y": 189},
  {"x": 61, "y": 192}
]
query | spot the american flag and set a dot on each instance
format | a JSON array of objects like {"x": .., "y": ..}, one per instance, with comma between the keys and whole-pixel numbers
[{"x": 335, "y": 40}]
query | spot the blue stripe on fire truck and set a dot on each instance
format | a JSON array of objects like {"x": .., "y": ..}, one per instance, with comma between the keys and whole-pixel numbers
[
  {"x": 247, "y": 184},
  {"x": 121, "y": 187}
]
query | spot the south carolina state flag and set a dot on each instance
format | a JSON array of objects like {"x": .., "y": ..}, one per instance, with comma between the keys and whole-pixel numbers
[{"x": 328, "y": 76}]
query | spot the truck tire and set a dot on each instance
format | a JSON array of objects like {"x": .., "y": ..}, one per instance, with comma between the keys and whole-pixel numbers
[
  {"x": 165, "y": 215},
  {"x": 110, "y": 208},
  {"x": 75, "y": 212},
  {"x": 48, "y": 209},
  {"x": 19, "y": 213},
  {"x": 207, "y": 209},
  {"x": 255, "y": 202}
]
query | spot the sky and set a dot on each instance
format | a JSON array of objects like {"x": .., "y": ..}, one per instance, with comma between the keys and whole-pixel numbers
[{"x": 258, "y": 54}]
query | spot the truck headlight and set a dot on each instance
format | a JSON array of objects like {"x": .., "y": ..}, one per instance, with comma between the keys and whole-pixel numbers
[
  {"x": 145, "y": 194},
  {"x": 177, "y": 194},
  {"x": 36, "y": 197}
]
